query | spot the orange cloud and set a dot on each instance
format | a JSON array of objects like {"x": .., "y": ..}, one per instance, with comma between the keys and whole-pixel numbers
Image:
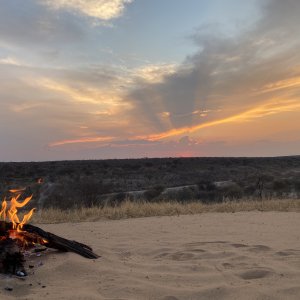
[
  {"x": 282, "y": 84},
  {"x": 266, "y": 109},
  {"x": 260, "y": 111},
  {"x": 90, "y": 96},
  {"x": 83, "y": 140}
]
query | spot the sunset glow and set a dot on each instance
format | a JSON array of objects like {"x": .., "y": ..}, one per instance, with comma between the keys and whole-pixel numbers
[{"x": 109, "y": 79}]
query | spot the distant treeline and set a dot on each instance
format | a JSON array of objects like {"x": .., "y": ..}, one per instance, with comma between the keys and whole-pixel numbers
[{"x": 66, "y": 184}]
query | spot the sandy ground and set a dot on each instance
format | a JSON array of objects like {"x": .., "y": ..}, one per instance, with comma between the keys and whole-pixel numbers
[{"x": 250, "y": 255}]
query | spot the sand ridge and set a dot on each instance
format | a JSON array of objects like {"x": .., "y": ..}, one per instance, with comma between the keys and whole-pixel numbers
[{"x": 250, "y": 255}]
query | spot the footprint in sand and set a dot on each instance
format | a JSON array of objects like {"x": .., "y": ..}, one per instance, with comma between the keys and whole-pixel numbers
[
  {"x": 259, "y": 248},
  {"x": 286, "y": 253},
  {"x": 182, "y": 256},
  {"x": 255, "y": 274},
  {"x": 194, "y": 244},
  {"x": 239, "y": 245}
]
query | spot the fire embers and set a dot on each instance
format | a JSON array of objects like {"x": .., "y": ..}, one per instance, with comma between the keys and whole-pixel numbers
[
  {"x": 11, "y": 258},
  {"x": 9, "y": 213},
  {"x": 14, "y": 241},
  {"x": 18, "y": 239}
]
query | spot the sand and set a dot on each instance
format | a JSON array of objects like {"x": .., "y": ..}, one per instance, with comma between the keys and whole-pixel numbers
[{"x": 252, "y": 255}]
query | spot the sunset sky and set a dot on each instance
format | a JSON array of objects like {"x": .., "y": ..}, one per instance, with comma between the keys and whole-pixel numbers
[{"x": 97, "y": 79}]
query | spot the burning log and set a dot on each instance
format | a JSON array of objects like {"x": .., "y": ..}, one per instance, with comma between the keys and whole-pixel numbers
[
  {"x": 17, "y": 236},
  {"x": 36, "y": 235}
]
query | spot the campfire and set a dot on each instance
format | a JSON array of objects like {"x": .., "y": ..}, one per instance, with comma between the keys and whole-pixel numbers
[{"x": 18, "y": 237}]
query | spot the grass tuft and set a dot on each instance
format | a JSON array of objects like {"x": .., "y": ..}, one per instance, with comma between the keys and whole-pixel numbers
[{"x": 145, "y": 209}]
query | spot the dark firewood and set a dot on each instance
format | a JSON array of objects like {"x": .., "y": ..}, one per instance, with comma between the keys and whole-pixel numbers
[
  {"x": 11, "y": 258},
  {"x": 51, "y": 240}
]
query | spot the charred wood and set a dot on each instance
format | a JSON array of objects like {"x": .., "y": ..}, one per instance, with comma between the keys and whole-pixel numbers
[
  {"x": 50, "y": 240},
  {"x": 11, "y": 258}
]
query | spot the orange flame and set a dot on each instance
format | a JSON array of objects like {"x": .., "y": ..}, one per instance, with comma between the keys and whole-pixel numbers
[
  {"x": 3, "y": 210},
  {"x": 17, "y": 191},
  {"x": 10, "y": 212}
]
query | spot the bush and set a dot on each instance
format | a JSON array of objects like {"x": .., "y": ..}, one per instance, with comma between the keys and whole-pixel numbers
[
  {"x": 206, "y": 186},
  {"x": 232, "y": 192},
  {"x": 70, "y": 193},
  {"x": 186, "y": 194},
  {"x": 280, "y": 187},
  {"x": 88, "y": 189},
  {"x": 297, "y": 187},
  {"x": 153, "y": 192},
  {"x": 219, "y": 194},
  {"x": 118, "y": 199}
]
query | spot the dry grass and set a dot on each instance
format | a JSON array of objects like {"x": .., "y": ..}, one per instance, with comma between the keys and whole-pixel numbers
[{"x": 135, "y": 210}]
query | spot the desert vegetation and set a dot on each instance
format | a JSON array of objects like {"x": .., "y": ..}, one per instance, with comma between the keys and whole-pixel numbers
[
  {"x": 101, "y": 184},
  {"x": 129, "y": 209}
]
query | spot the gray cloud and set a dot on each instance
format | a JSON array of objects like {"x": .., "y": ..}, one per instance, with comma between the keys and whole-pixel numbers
[
  {"x": 281, "y": 18},
  {"x": 227, "y": 73},
  {"x": 26, "y": 23}
]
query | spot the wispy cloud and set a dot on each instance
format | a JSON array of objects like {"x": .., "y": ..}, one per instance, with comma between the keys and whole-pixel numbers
[
  {"x": 257, "y": 112},
  {"x": 10, "y": 61},
  {"x": 153, "y": 73},
  {"x": 264, "y": 110},
  {"x": 89, "y": 95},
  {"x": 100, "y": 9},
  {"x": 83, "y": 140},
  {"x": 286, "y": 84}
]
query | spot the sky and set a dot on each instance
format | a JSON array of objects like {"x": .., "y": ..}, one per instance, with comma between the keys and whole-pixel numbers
[{"x": 99, "y": 79}]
